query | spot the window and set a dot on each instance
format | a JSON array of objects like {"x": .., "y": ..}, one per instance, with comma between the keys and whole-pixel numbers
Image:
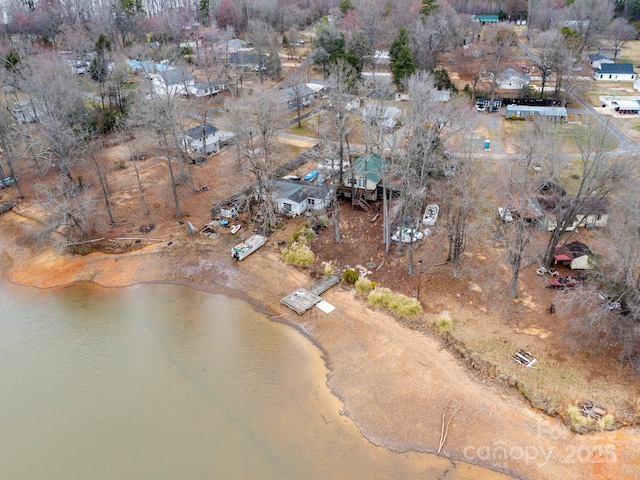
[
  {"x": 610, "y": 76},
  {"x": 311, "y": 201}
]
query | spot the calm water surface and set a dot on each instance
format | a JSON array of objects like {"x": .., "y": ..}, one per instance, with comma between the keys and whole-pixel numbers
[{"x": 165, "y": 382}]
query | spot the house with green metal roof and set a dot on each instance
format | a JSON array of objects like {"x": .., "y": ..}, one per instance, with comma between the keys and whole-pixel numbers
[
  {"x": 364, "y": 177},
  {"x": 484, "y": 19}
]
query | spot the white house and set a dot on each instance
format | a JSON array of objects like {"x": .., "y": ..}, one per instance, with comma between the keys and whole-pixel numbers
[
  {"x": 206, "y": 138},
  {"x": 597, "y": 59},
  {"x": 204, "y": 89},
  {"x": 615, "y": 72},
  {"x": 294, "y": 198},
  {"x": 173, "y": 81}
]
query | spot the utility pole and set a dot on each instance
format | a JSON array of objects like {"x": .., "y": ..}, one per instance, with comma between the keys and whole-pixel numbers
[{"x": 419, "y": 273}]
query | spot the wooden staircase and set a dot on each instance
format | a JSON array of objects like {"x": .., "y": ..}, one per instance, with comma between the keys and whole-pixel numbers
[{"x": 360, "y": 202}]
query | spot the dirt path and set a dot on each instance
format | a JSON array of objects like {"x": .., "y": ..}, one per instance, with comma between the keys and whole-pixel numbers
[{"x": 395, "y": 383}]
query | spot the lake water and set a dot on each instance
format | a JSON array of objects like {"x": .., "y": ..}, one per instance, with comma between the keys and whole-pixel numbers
[{"x": 166, "y": 382}]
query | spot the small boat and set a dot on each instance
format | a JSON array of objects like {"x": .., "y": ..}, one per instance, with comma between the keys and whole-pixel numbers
[
  {"x": 235, "y": 228},
  {"x": 246, "y": 248},
  {"x": 430, "y": 215}
]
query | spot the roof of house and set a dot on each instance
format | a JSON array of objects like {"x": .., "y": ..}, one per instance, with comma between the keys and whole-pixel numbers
[
  {"x": 369, "y": 166},
  {"x": 510, "y": 74},
  {"x": 196, "y": 132},
  {"x": 615, "y": 68},
  {"x": 587, "y": 205},
  {"x": 548, "y": 111},
  {"x": 386, "y": 115},
  {"x": 247, "y": 58},
  {"x": 298, "y": 192},
  {"x": 176, "y": 76},
  {"x": 564, "y": 253},
  {"x": 594, "y": 57},
  {"x": 297, "y": 91},
  {"x": 487, "y": 18},
  {"x": 148, "y": 67},
  {"x": 210, "y": 83}
]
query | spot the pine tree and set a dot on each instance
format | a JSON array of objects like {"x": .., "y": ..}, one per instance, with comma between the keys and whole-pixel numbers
[{"x": 403, "y": 66}]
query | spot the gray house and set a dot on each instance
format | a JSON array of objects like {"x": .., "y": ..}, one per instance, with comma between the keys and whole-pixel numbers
[
  {"x": 293, "y": 198},
  {"x": 202, "y": 138},
  {"x": 517, "y": 112},
  {"x": 300, "y": 93},
  {"x": 206, "y": 138}
]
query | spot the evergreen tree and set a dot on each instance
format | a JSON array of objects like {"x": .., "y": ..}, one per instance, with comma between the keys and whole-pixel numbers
[
  {"x": 401, "y": 40},
  {"x": 345, "y": 6},
  {"x": 428, "y": 7},
  {"x": 204, "y": 10},
  {"x": 11, "y": 60},
  {"x": 403, "y": 66}
]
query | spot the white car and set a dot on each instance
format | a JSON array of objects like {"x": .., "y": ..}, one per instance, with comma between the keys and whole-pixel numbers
[
  {"x": 333, "y": 165},
  {"x": 505, "y": 215},
  {"x": 408, "y": 235}
]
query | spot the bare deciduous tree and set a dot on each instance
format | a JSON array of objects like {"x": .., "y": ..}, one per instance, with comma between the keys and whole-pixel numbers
[
  {"x": 255, "y": 120},
  {"x": 619, "y": 33},
  {"x": 599, "y": 175},
  {"x": 520, "y": 181}
]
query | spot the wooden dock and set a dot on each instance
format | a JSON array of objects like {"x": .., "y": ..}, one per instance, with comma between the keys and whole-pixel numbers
[
  {"x": 324, "y": 284},
  {"x": 301, "y": 300}
]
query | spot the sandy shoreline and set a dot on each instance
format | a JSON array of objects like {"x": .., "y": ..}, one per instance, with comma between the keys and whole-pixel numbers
[{"x": 394, "y": 382}]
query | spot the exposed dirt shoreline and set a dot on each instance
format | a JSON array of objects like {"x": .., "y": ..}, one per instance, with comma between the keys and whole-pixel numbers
[{"x": 394, "y": 382}]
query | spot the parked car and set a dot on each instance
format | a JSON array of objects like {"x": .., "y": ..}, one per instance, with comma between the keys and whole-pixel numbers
[
  {"x": 310, "y": 177},
  {"x": 505, "y": 215},
  {"x": 291, "y": 177},
  {"x": 329, "y": 165},
  {"x": 8, "y": 181},
  {"x": 408, "y": 235}
]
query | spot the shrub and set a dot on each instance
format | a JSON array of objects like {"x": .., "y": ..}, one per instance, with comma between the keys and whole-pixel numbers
[
  {"x": 364, "y": 285},
  {"x": 445, "y": 321},
  {"x": 350, "y": 276},
  {"x": 328, "y": 268},
  {"x": 395, "y": 302},
  {"x": 304, "y": 234},
  {"x": 298, "y": 254},
  {"x": 583, "y": 424}
]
